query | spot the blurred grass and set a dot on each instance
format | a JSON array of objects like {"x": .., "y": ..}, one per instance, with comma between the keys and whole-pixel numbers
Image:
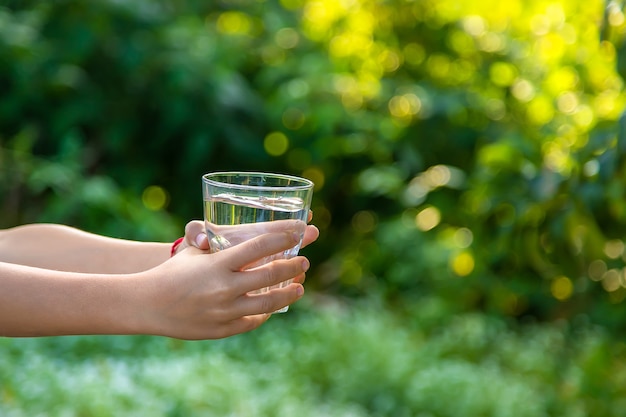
[{"x": 322, "y": 360}]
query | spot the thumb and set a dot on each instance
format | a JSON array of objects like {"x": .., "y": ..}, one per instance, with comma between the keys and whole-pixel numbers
[{"x": 195, "y": 235}]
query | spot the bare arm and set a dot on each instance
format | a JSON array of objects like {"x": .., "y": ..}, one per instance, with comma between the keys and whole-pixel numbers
[
  {"x": 65, "y": 248},
  {"x": 193, "y": 295},
  {"x": 42, "y": 302}
]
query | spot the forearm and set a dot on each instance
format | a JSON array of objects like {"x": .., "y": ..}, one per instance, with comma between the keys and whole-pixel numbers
[
  {"x": 64, "y": 248},
  {"x": 39, "y": 302},
  {"x": 193, "y": 295}
]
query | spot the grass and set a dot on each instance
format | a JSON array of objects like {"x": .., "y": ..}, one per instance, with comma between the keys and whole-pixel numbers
[{"x": 356, "y": 360}]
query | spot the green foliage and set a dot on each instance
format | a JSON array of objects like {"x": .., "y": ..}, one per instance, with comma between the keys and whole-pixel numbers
[
  {"x": 357, "y": 361},
  {"x": 468, "y": 156},
  {"x": 70, "y": 196}
]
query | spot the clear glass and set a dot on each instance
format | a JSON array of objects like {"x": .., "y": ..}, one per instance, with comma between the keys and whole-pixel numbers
[{"x": 241, "y": 205}]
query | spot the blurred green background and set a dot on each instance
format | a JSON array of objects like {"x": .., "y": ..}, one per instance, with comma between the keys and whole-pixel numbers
[{"x": 470, "y": 170}]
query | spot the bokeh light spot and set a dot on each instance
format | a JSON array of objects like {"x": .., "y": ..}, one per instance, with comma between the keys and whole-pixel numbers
[
  {"x": 428, "y": 218},
  {"x": 523, "y": 90},
  {"x": 316, "y": 175},
  {"x": 474, "y": 25},
  {"x": 540, "y": 111},
  {"x": 404, "y": 106},
  {"x": 155, "y": 198},
  {"x": 287, "y": 38},
  {"x": 276, "y": 143},
  {"x": 611, "y": 281},
  {"x": 463, "y": 264},
  {"x": 234, "y": 23},
  {"x": 614, "y": 248},
  {"x": 597, "y": 269},
  {"x": 390, "y": 61},
  {"x": 591, "y": 168},
  {"x": 364, "y": 221},
  {"x": 502, "y": 73},
  {"x": 438, "y": 65},
  {"x": 298, "y": 88},
  {"x": 463, "y": 237},
  {"x": 615, "y": 14},
  {"x": 562, "y": 288},
  {"x": 567, "y": 102}
]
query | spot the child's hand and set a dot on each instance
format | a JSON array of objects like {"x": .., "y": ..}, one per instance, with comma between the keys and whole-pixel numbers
[{"x": 198, "y": 296}]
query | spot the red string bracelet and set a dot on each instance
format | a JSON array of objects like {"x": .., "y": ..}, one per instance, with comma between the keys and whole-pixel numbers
[{"x": 175, "y": 245}]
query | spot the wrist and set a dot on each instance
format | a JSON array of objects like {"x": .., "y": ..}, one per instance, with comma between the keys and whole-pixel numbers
[
  {"x": 121, "y": 308},
  {"x": 145, "y": 315},
  {"x": 175, "y": 245}
]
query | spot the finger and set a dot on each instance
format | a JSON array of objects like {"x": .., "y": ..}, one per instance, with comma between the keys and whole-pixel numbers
[
  {"x": 195, "y": 235},
  {"x": 258, "y": 248},
  {"x": 300, "y": 279},
  {"x": 270, "y": 274},
  {"x": 311, "y": 233},
  {"x": 243, "y": 325},
  {"x": 276, "y": 226},
  {"x": 227, "y": 329},
  {"x": 310, "y": 216},
  {"x": 270, "y": 301}
]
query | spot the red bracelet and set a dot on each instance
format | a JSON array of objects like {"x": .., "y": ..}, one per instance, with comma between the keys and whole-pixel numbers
[{"x": 175, "y": 245}]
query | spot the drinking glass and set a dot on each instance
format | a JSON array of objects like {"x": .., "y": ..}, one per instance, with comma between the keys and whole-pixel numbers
[{"x": 241, "y": 205}]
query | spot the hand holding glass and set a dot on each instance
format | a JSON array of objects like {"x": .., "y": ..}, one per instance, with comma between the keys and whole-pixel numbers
[{"x": 241, "y": 205}]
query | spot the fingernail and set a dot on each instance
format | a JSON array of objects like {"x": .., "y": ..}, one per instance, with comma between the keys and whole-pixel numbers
[
  {"x": 295, "y": 236},
  {"x": 199, "y": 239},
  {"x": 305, "y": 265},
  {"x": 300, "y": 291}
]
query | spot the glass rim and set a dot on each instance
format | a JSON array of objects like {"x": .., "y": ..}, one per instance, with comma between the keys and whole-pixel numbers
[{"x": 302, "y": 183}]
